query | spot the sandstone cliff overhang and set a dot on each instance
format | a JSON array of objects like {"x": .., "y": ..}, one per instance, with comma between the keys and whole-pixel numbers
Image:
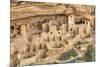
[{"x": 23, "y": 12}]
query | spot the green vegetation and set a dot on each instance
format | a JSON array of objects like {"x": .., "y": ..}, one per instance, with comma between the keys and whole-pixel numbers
[
  {"x": 90, "y": 54},
  {"x": 88, "y": 57},
  {"x": 68, "y": 55}
]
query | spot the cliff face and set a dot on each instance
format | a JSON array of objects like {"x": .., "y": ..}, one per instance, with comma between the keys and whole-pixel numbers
[{"x": 29, "y": 9}]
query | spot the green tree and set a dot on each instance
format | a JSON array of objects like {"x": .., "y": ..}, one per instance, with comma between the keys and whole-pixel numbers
[
  {"x": 67, "y": 55},
  {"x": 90, "y": 54}
]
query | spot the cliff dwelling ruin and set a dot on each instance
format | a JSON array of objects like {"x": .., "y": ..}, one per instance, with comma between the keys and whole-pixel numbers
[{"x": 41, "y": 32}]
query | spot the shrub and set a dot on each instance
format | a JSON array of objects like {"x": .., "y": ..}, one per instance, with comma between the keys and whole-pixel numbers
[{"x": 67, "y": 55}]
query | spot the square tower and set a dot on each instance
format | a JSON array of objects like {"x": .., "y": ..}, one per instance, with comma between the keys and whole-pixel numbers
[{"x": 70, "y": 22}]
